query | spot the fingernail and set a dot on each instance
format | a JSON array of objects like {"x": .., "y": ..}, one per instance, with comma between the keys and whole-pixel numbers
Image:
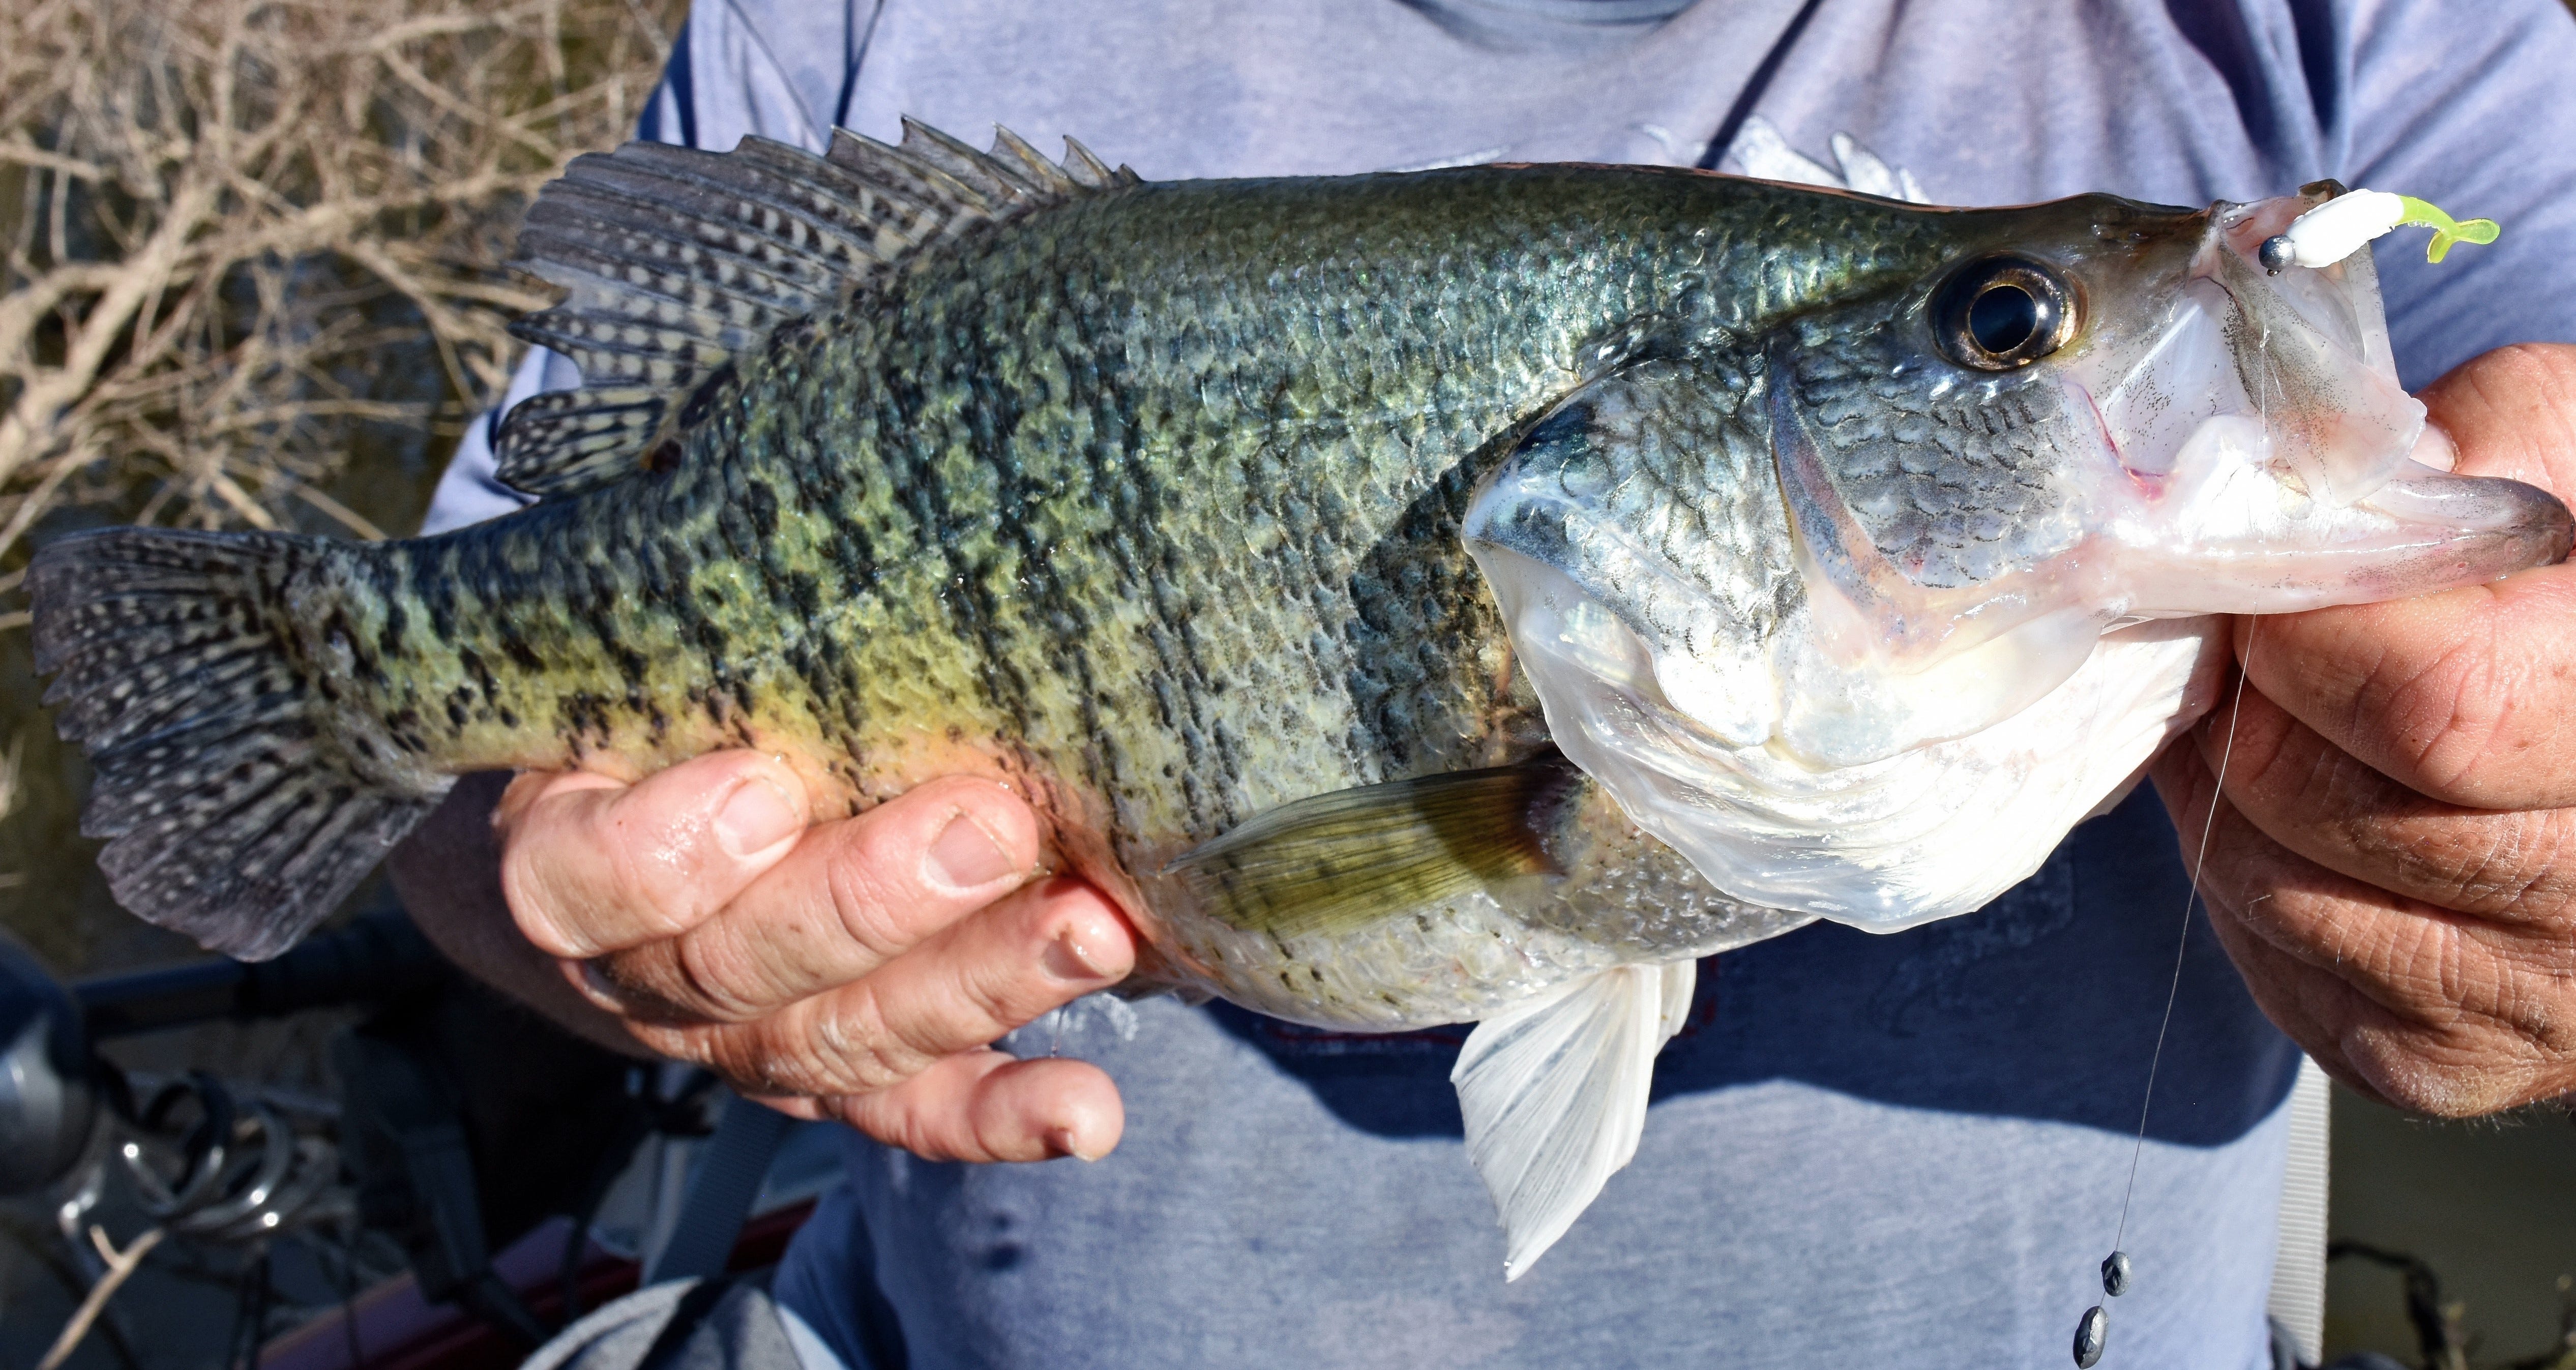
[
  {"x": 755, "y": 818},
  {"x": 597, "y": 982},
  {"x": 966, "y": 857},
  {"x": 1068, "y": 959},
  {"x": 1061, "y": 1142}
]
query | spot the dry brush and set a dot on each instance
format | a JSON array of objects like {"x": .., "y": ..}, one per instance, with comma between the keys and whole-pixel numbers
[{"x": 227, "y": 222}]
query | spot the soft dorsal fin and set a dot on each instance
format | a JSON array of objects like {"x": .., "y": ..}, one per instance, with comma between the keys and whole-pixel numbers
[{"x": 677, "y": 260}]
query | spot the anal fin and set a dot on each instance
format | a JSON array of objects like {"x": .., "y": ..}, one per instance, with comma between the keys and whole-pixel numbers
[{"x": 1554, "y": 1093}]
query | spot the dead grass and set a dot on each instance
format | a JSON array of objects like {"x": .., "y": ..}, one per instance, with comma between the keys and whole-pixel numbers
[
  {"x": 8, "y": 801},
  {"x": 224, "y": 220}
]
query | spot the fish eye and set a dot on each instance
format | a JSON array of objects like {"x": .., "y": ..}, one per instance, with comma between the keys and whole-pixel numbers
[{"x": 1998, "y": 313}]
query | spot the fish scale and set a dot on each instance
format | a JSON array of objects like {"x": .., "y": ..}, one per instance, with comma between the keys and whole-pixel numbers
[{"x": 1456, "y": 595}]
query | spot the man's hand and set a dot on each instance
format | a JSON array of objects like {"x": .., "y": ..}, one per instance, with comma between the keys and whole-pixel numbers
[
  {"x": 2393, "y": 863},
  {"x": 857, "y": 969}
]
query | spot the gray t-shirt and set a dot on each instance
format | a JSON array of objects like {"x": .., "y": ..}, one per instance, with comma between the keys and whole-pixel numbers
[{"x": 1900, "y": 1150}]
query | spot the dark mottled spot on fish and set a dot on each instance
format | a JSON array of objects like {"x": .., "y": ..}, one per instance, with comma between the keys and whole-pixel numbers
[
  {"x": 472, "y": 663},
  {"x": 702, "y": 400},
  {"x": 631, "y": 666},
  {"x": 760, "y": 505},
  {"x": 805, "y": 592},
  {"x": 520, "y": 654}
]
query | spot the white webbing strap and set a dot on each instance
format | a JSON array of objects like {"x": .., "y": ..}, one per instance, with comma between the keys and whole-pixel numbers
[{"x": 2298, "y": 1300}]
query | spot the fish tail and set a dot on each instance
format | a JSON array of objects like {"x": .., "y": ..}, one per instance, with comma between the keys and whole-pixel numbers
[{"x": 206, "y": 675}]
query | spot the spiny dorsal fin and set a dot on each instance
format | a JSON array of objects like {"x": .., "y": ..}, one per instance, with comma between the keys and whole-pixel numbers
[
  {"x": 676, "y": 260},
  {"x": 1333, "y": 862}
]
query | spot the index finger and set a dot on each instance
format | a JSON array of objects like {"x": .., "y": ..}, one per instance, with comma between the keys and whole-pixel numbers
[
  {"x": 2467, "y": 695},
  {"x": 854, "y": 894},
  {"x": 590, "y": 865}
]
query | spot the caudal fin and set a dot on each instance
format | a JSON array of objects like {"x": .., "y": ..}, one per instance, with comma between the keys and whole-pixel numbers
[
  {"x": 235, "y": 809},
  {"x": 1555, "y": 1094}
]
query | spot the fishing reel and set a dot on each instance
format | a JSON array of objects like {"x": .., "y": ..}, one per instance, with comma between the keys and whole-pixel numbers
[
  {"x": 201, "y": 1160},
  {"x": 461, "y": 1123},
  {"x": 206, "y": 1165},
  {"x": 49, "y": 1095}
]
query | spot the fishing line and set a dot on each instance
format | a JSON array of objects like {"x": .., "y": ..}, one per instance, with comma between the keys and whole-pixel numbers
[
  {"x": 2209, "y": 822},
  {"x": 2093, "y": 1328},
  {"x": 2182, "y": 943}
]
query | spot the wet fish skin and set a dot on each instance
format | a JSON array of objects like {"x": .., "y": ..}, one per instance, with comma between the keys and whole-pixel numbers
[{"x": 1151, "y": 503}]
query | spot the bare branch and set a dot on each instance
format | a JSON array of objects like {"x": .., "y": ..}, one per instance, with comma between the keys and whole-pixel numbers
[{"x": 239, "y": 238}]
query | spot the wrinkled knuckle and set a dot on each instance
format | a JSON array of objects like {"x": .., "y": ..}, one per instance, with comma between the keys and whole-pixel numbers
[
  {"x": 2549, "y": 861},
  {"x": 2501, "y": 864},
  {"x": 1004, "y": 994},
  {"x": 891, "y": 1048},
  {"x": 2536, "y": 1004},
  {"x": 757, "y": 1059},
  {"x": 2467, "y": 870},
  {"x": 712, "y": 975},
  {"x": 2544, "y": 1023},
  {"x": 2456, "y": 975},
  {"x": 866, "y": 903},
  {"x": 850, "y": 1044},
  {"x": 2265, "y": 756}
]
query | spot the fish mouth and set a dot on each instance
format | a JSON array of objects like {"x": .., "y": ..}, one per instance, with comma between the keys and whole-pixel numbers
[
  {"x": 2237, "y": 442},
  {"x": 2263, "y": 457}
]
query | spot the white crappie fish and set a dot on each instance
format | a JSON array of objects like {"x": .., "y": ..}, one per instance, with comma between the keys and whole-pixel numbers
[{"x": 1457, "y": 595}]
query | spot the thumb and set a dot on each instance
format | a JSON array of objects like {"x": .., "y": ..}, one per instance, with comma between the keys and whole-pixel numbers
[
  {"x": 589, "y": 865},
  {"x": 2512, "y": 413}
]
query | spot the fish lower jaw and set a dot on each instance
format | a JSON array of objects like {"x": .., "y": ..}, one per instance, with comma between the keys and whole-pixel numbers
[{"x": 2423, "y": 532}]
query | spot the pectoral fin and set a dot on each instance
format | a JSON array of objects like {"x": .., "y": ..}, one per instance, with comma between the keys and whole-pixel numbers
[
  {"x": 1340, "y": 860},
  {"x": 1554, "y": 1095}
]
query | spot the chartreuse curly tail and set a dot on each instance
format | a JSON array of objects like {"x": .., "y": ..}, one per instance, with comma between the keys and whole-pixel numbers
[
  {"x": 2446, "y": 230},
  {"x": 2347, "y": 223}
]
